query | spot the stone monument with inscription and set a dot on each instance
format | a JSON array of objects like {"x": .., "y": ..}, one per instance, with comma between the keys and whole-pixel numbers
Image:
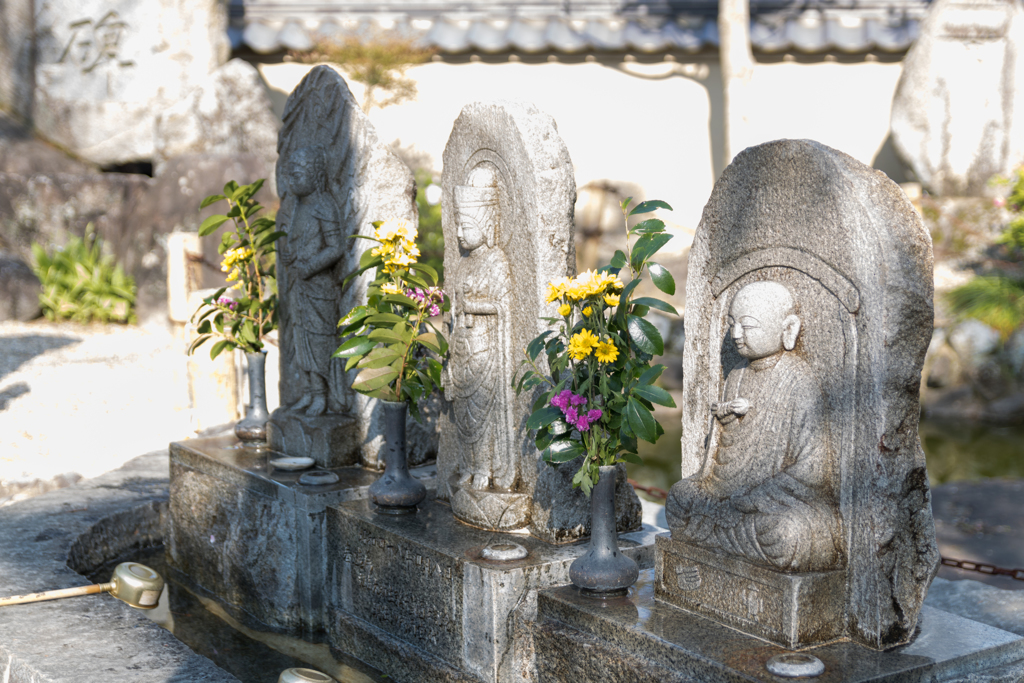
[
  {"x": 803, "y": 515},
  {"x": 957, "y": 114},
  {"x": 508, "y": 204},
  {"x": 334, "y": 178}
]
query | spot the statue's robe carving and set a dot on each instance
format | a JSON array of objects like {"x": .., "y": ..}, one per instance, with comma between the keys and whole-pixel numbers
[{"x": 768, "y": 495}]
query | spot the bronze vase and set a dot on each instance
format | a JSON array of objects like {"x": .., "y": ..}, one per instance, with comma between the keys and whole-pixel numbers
[
  {"x": 603, "y": 571},
  {"x": 396, "y": 492}
]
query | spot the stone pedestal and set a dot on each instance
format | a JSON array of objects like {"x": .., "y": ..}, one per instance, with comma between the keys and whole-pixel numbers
[
  {"x": 638, "y": 638},
  {"x": 414, "y": 596},
  {"x": 332, "y": 440},
  {"x": 786, "y": 609},
  {"x": 251, "y": 536}
]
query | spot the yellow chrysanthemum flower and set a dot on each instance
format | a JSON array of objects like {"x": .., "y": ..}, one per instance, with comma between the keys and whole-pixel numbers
[
  {"x": 606, "y": 352},
  {"x": 390, "y": 288},
  {"x": 611, "y": 299},
  {"x": 556, "y": 288},
  {"x": 581, "y": 344},
  {"x": 564, "y": 309},
  {"x": 233, "y": 275},
  {"x": 395, "y": 228},
  {"x": 587, "y": 311}
]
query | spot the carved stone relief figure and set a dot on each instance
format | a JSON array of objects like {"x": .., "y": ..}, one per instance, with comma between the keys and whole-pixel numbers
[
  {"x": 312, "y": 251},
  {"x": 769, "y": 493},
  {"x": 334, "y": 177},
  {"x": 477, "y": 377}
]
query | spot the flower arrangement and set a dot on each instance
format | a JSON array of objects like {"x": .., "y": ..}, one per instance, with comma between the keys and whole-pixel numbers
[
  {"x": 392, "y": 333},
  {"x": 244, "y": 321},
  {"x": 599, "y": 390}
]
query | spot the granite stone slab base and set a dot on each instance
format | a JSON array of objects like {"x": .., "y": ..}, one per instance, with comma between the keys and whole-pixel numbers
[
  {"x": 638, "y": 638},
  {"x": 418, "y": 587},
  {"x": 252, "y": 536},
  {"x": 332, "y": 440},
  {"x": 786, "y": 609}
]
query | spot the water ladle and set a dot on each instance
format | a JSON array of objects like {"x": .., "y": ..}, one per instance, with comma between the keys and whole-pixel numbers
[{"x": 133, "y": 583}]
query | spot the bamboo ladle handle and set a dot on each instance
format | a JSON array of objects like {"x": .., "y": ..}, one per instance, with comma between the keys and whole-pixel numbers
[{"x": 133, "y": 583}]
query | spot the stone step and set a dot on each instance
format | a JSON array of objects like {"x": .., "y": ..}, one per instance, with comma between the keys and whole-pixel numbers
[{"x": 637, "y": 638}]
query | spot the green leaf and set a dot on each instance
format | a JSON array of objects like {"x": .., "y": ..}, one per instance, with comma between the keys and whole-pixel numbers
[
  {"x": 210, "y": 200},
  {"x": 534, "y": 348},
  {"x": 645, "y": 336},
  {"x": 618, "y": 259},
  {"x": 356, "y": 346},
  {"x": 648, "y": 206},
  {"x": 651, "y": 374},
  {"x": 651, "y": 302},
  {"x": 651, "y": 225},
  {"x": 401, "y": 300},
  {"x": 416, "y": 280},
  {"x": 220, "y": 346},
  {"x": 373, "y": 379},
  {"x": 661, "y": 278},
  {"x": 211, "y": 224},
  {"x": 426, "y": 270},
  {"x": 543, "y": 417},
  {"x": 379, "y": 358},
  {"x": 563, "y": 450},
  {"x": 625, "y": 202},
  {"x": 387, "y": 336},
  {"x": 631, "y": 457},
  {"x": 654, "y": 395},
  {"x": 641, "y": 422},
  {"x": 429, "y": 339},
  {"x": 646, "y": 247},
  {"x": 384, "y": 319}
]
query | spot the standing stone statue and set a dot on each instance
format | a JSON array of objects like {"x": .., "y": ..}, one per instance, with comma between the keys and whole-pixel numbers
[
  {"x": 335, "y": 178},
  {"x": 478, "y": 384},
  {"x": 804, "y": 513},
  {"x": 958, "y": 113}
]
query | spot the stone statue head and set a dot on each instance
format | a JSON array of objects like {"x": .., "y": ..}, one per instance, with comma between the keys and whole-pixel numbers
[
  {"x": 762, "y": 320},
  {"x": 477, "y": 209},
  {"x": 307, "y": 171}
]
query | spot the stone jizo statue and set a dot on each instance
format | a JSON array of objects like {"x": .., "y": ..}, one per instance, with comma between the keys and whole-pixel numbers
[
  {"x": 769, "y": 493},
  {"x": 314, "y": 247},
  {"x": 475, "y": 378}
]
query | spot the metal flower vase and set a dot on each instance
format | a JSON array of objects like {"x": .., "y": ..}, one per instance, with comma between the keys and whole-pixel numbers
[
  {"x": 396, "y": 492},
  {"x": 603, "y": 571},
  {"x": 252, "y": 429}
]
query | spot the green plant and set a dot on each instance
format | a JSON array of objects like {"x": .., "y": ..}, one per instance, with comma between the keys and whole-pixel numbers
[
  {"x": 82, "y": 284},
  {"x": 600, "y": 389},
  {"x": 431, "y": 235},
  {"x": 248, "y": 253},
  {"x": 391, "y": 334},
  {"x": 378, "y": 62},
  {"x": 998, "y": 299}
]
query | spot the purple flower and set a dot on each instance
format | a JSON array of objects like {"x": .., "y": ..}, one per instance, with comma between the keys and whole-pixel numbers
[
  {"x": 571, "y": 416},
  {"x": 230, "y": 303},
  {"x": 583, "y": 424},
  {"x": 594, "y": 415},
  {"x": 561, "y": 400},
  {"x": 577, "y": 400},
  {"x": 435, "y": 310}
]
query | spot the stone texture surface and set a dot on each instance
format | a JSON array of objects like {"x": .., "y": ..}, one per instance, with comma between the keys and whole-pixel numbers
[
  {"x": 508, "y": 173},
  {"x": 561, "y": 513},
  {"x": 23, "y": 153},
  {"x": 44, "y": 541},
  {"x": 855, "y": 256},
  {"x": 957, "y": 116},
  {"x": 17, "y": 63},
  {"x": 227, "y": 114},
  {"x": 791, "y": 610},
  {"x": 639, "y": 631},
  {"x": 421, "y": 579},
  {"x": 356, "y": 180},
  {"x": 19, "y": 290},
  {"x": 103, "y": 73},
  {"x": 251, "y": 536},
  {"x": 1003, "y": 609}
]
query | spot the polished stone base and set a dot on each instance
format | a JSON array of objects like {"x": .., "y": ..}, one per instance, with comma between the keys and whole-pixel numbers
[
  {"x": 791, "y": 610},
  {"x": 332, "y": 440},
  {"x": 253, "y": 536},
  {"x": 639, "y": 639},
  {"x": 490, "y": 509},
  {"x": 416, "y": 589}
]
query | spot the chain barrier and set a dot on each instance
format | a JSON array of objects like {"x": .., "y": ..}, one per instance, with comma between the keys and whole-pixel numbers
[{"x": 966, "y": 565}]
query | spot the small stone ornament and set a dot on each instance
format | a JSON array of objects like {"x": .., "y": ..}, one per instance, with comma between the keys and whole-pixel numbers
[
  {"x": 318, "y": 478},
  {"x": 300, "y": 675},
  {"x": 292, "y": 464},
  {"x": 795, "y": 665},
  {"x": 504, "y": 552}
]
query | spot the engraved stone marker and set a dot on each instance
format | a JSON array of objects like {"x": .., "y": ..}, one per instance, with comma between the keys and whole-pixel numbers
[
  {"x": 956, "y": 114},
  {"x": 804, "y": 513},
  {"x": 334, "y": 178},
  {"x": 507, "y": 217}
]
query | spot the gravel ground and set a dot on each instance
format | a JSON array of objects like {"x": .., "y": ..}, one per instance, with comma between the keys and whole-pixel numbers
[{"x": 80, "y": 400}]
